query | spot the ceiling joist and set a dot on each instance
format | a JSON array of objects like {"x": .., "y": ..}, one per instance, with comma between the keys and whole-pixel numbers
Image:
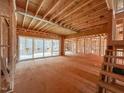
[
  {"x": 79, "y": 15},
  {"x": 35, "y": 14},
  {"x": 56, "y": 16},
  {"x": 76, "y": 9},
  {"x": 26, "y": 8},
  {"x": 47, "y": 14},
  {"x": 40, "y": 19}
]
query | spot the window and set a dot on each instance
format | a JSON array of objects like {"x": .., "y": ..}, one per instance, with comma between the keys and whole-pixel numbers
[
  {"x": 86, "y": 45},
  {"x": 30, "y": 47},
  {"x": 119, "y": 34},
  {"x": 103, "y": 44},
  {"x": 25, "y": 49},
  {"x": 38, "y": 48},
  {"x": 55, "y": 47},
  {"x": 47, "y": 47},
  {"x": 70, "y": 46}
]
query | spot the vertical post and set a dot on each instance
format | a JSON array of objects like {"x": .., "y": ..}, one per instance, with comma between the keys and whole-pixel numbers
[
  {"x": 62, "y": 50},
  {"x": 43, "y": 47},
  {"x": 52, "y": 47},
  {"x": 0, "y": 54},
  {"x": 123, "y": 29},
  {"x": 95, "y": 45},
  {"x": 33, "y": 46},
  {"x": 91, "y": 45},
  {"x": 77, "y": 46},
  {"x": 18, "y": 48},
  {"x": 109, "y": 29},
  {"x": 12, "y": 44},
  {"x": 84, "y": 45},
  {"x": 100, "y": 46}
]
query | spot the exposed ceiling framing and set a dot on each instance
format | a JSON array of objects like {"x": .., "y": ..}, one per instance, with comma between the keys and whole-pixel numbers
[{"x": 63, "y": 17}]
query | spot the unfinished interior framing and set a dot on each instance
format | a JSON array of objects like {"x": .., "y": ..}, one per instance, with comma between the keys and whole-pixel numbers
[
  {"x": 69, "y": 30},
  {"x": 93, "y": 44},
  {"x": 7, "y": 46}
]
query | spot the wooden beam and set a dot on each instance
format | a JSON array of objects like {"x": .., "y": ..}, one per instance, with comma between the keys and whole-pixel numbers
[
  {"x": 47, "y": 14},
  {"x": 89, "y": 17},
  {"x": 85, "y": 13},
  {"x": 63, "y": 10},
  {"x": 109, "y": 4},
  {"x": 94, "y": 24},
  {"x": 15, "y": 8},
  {"x": 35, "y": 33},
  {"x": 36, "y": 14},
  {"x": 73, "y": 11},
  {"x": 100, "y": 42},
  {"x": 91, "y": 24},
  {"x": 12, "y": 43},
  {"x": 43, "y": 26},
  {"x": 62, "y": 50},
  {"x": 48, "y": 27},
  {"x": 55, "y": 26},
  {"x": 90, "y": 20},
  {"x": 59, "y": 13},
  {"x": 26, "y": 8},
  {"x": 52, "y": 9},
  {"x": 39, "y": 18},
  {"x": 92, "y": 31},
  {"x": 0, "y": 52}
]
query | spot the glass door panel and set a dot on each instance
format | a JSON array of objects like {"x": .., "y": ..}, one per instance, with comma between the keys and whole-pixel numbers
[
  {"x": 25, "y": 49},
  {"x": 47, "y": 47},
  {"x": 55, "y": 45},
  {"x": 38, "y": 48}
]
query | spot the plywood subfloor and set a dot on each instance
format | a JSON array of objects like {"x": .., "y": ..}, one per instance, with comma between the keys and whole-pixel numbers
[{"x": 64, "y": 74}]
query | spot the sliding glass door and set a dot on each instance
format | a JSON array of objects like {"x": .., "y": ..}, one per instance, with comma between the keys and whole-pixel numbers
[
  {"x": 38, "y": 47},
  {"x": 30, "y": 47},
  {"x": 47, "y": 47},
  {"x": 55, "y": 46},
  {"x": 25, "y": 48}
]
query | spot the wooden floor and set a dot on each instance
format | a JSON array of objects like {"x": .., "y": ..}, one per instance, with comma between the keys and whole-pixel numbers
[{"x": 64, "y": 74}]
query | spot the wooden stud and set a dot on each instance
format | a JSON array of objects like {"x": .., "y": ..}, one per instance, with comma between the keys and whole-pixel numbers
[
  {"x": 0, "y": 54},
  {"x": 12, "y": 43},
  {"x": 62, "y": 53}
]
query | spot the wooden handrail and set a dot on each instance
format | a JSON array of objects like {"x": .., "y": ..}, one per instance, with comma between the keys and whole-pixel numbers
[
  {"x": 114, "y": 65},
  {"x": 116, "y": 76},
  {"x": 109, "y": 50},
  {"x": 116, "y": 57}
]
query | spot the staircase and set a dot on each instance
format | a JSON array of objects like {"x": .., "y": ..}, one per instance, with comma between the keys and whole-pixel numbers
[{"x": 112, "y": 73}]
